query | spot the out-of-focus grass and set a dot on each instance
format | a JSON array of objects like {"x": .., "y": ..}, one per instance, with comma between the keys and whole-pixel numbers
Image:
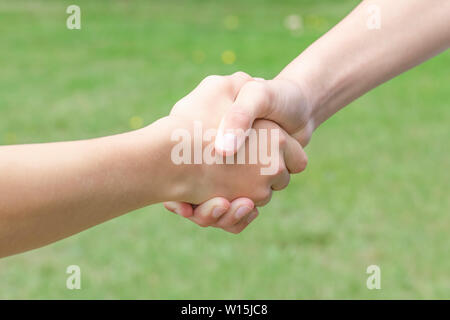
[{"x": 376, "y": 190}]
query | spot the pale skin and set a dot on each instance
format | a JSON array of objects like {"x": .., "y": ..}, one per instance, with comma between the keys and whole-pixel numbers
[
  {"x": 51, "y": 191},
  {"x": 339, "y": 67}
]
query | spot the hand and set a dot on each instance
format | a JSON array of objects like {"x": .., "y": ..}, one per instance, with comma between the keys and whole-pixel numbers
[
  {"x": 208, "y": 102},
  {"x": 280, "y": 100},
  {"x": 218, "y": 212}
]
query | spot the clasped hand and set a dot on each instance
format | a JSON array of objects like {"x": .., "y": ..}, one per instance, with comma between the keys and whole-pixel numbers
[{"x": 226, "y": 195}]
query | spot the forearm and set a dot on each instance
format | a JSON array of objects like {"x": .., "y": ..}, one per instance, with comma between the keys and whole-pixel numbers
[
  {"x": 351, "y": 59},
  {"x": 51, "y": 191}
]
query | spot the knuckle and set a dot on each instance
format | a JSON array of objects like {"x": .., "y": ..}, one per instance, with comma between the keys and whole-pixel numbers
[
  {"x": 213, "y": 80},
  {"x": 281, "y": 170},
  {"x": 283, "y": 184},
  {"x": 211, "y": 77},
  {"x": 178, "y": 105},
  {"x": 267, "y": 194},
  {"x": 241, "y": 74},
  {"x": 203, "y": 224},
  {"x": 234, "y": 230},
  {"x": 301, "y": 164},
  {"x": 263, "y": 197}
]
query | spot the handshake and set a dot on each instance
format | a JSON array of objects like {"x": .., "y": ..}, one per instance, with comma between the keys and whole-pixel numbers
[
  {"x": 234, "y": 139},
  {"x": 224, "y": 147},
  {"x": 219, "y": 154}
]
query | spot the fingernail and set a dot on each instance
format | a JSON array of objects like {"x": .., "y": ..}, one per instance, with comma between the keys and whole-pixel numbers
[
  {"x": 170, "y": 207},
  {"x": 217, "y": 212},
  {"x": 176, "y": 210},
  {"x": 229, "y": 142},
  {"x": 252, "y": 217},
  {"x": 242, "y": 211}
]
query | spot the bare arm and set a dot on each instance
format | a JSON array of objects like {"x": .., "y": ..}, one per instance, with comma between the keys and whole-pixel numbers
[
  {"x": 355, "y": 56},
  {"x": 349, "y": 60},
  {"x": 50, "y": 191}
]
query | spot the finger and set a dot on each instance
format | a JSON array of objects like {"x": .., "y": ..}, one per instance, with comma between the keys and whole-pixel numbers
[
  {"x": 210, "y": 211},
  {"x": 281, "y": 101},
  {"x": 239, "y": 208},
  {"x": 295, "y": 157},
  {"x": 281, "y": 181},
  {"x": 232, "y": 84},
  {"x": 239, "y": 227},
  {"x": 252, "y": 102},
  {"x": 264, "y": 198},
  {"x": 181, "y": 208},
  {"x": 238, "y": 80}
]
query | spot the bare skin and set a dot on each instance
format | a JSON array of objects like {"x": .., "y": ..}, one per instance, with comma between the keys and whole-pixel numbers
[
  {"x": 342, "y": 65},
  {"x": 51, "y": 191},
  {"x": 54, "y": 190}
]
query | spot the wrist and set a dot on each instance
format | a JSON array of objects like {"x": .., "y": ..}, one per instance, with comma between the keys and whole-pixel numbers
[
  {"x": 322, "y": 86},
  {"x": 306, "y": 101},
  {"x": 161, "y": 179},
  {"x": 134, "y": 165}
]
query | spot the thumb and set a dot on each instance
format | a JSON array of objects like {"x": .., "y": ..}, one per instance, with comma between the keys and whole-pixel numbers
[
  {"x": 281, "y": 101},
  {"x": 252, "y": 102}
]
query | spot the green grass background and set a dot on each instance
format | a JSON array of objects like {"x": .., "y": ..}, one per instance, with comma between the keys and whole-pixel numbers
[{"x": 376, "y": 190}]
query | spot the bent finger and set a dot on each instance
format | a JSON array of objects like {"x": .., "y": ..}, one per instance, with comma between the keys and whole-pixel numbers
[
  {"x": 281, "y": 181},
  {"x": 239, "y": 227},
  {"x": 239, "y": 208},
  {"x": 253, "y": 101},
  {"x": 295, "y": 157},
  {"x": 209, "y": 212},
  {"x": 183, "y": 209}
]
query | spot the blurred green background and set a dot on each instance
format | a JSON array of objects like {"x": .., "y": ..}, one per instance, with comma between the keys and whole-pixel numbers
[{"x": 376, "y": 190}]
